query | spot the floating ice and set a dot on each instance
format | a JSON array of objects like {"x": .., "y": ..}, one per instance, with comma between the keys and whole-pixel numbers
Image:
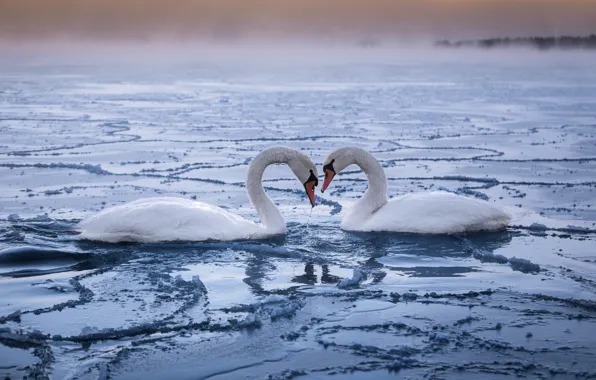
[
  {"x": 251, "y": 321},
  {"x": 13, "y": 218},
  {"x": 285, "y": 310},
  {"x": 409, "y": 296},
  {"x": 523, "y": 265},
  {"x": 274, "y": 298},
  {"x": 535, "y": 154},
  {"x": 538, "y": 227},
  {"x": 357, "y": 277},
  {"x": 573, "y": 228},
  {"x": 440, "y": 338},
  {"x": 194, "y": 283},
  {"x": 474, "y": 193},
  {"x": 486, "y": 256},
  {"x": 15, "y": 316}
]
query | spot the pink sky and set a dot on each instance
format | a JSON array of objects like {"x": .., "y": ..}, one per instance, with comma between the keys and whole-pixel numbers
[{"x": 434, "y": 19}]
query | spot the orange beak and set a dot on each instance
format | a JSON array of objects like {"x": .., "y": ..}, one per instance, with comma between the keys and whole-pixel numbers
[
  {"x": 310, "y": 191},
  {"x": 329, "y": 174}
]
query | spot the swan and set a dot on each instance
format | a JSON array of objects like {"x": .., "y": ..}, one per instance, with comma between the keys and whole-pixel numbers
[
  {"x": 436, "y": 212},
  {"x": 170, "y": 218}
]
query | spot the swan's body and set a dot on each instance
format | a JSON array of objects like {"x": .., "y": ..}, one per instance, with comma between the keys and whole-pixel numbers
[
  {"x": 170, "y": 219},
  {"x": 436, "y": 212}
]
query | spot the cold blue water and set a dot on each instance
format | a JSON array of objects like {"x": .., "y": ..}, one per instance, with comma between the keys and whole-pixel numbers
[{"x": 75, "y": 139}]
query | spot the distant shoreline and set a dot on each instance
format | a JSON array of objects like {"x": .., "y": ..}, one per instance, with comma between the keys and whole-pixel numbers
[{"x": 539, "y": 43}]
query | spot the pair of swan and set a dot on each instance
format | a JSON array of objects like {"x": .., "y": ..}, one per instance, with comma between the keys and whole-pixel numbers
[{"x": 169, "y": 218}]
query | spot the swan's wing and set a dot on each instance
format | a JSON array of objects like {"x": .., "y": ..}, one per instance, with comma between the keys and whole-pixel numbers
[
  {"x": 166, "y": 219},
  {"x": 436, "y": 213}
]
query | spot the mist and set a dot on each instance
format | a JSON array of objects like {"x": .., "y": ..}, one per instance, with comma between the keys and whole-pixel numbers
[{"x": 236, "y": 21}]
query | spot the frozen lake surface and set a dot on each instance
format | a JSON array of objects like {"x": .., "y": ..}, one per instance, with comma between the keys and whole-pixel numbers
[{"x": 75, "y": 139}]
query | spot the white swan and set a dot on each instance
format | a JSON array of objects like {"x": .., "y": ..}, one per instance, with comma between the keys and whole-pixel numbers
[
  {"x": 436, "y": 212},
  {"x": 171, "y": 219}
]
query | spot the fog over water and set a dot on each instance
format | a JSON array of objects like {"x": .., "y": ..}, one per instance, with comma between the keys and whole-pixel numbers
[{"x": 232, "y": 20}]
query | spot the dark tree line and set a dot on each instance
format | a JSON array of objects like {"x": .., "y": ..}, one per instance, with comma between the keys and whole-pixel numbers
[{"x": 541, "y": 43}]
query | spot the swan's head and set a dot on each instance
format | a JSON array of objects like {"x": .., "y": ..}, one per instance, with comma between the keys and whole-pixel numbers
[
  {"x": 306, "y": 172},
  {"x": 335, "y": 162}
]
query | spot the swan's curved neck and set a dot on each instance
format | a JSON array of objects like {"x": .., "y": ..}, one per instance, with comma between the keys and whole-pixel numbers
[
  {"x": 376, "y": 194},
  {"x": 268, "y": 212}
]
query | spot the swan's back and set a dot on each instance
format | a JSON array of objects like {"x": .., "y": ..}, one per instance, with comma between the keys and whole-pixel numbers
[
  {"x": 437, "y": 212},
  {"x": 166, "y": 219}
]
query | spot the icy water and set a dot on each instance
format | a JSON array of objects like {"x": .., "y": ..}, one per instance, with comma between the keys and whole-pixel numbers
[{"x": 520, "y": 303}]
